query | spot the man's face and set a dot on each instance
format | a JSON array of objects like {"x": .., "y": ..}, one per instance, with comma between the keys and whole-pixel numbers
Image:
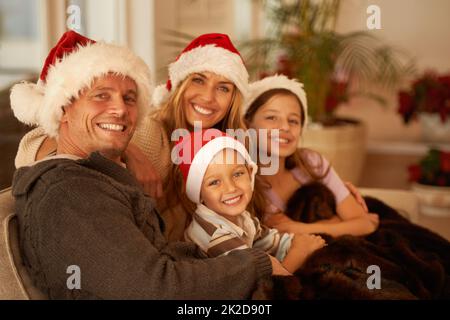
[{"x": 102, "y": 119}]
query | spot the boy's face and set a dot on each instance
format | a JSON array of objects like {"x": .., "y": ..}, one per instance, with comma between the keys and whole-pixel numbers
[{"x": 226, "y": 187}]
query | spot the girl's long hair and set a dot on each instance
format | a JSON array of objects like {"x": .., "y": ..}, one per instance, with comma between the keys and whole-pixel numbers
[
  {"x": 298, "y": 159},
  {"x": 172, "y": 116}
]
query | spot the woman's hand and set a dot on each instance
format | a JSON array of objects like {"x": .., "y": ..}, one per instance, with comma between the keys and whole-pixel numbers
[
  {"x": 357, "y": 195},
  {"x": 145, "y": 173}
]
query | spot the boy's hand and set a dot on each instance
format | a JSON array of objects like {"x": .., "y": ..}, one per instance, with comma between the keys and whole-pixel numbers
[{"x": 302, "y": 246}]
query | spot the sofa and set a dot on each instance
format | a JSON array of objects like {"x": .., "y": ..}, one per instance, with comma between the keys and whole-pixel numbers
[{"x": 16, "y": 284}]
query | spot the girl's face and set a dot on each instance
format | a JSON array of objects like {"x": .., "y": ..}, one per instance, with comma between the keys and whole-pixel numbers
[
  {"x": 226, "y": 188},
  {"x": 207, "y": 99},
  {"x": 282, "y": 112}
]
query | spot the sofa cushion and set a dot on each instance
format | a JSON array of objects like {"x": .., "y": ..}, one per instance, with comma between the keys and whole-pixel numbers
[{"x": 15, "y": 283}]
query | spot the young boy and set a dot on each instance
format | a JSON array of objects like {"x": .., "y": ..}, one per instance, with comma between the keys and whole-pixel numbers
[{"x": 219, "y": 176}]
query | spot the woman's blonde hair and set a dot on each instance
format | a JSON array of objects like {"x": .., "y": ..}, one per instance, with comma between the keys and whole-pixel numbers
[
  {"x": 172, "y": 116},
  {"x": 298, "y": 159}
]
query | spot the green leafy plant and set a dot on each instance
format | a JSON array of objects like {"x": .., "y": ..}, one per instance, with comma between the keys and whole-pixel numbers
[
  {"x": 306, "y": 46},
  {"x": 433, "y": 169}
]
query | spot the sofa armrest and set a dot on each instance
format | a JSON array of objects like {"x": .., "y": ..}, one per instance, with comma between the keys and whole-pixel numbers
[{"x": 406, "y": 202}]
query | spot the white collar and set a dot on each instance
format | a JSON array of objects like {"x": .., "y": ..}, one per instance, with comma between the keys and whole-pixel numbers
[{"x": 244, "y": 218}]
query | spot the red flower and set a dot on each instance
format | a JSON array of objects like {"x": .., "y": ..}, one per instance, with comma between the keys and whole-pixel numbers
[
  {"x": 284, "y": 66},
  {"x": 433, "y": 169},
  {"x": 430, "y": 93},
  {"x": 331, "y": 103},
  {"x": 405, "y": 105},
  {"x": 445, "y": 161},
  {"x": 415, "y": 172},
  {"x": 336, "y": 95},
  {"x": 441, "y": 181}
]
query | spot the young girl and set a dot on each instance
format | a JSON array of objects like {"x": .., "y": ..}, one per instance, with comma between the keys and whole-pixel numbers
[
  {"x": 219, "y": 178},
  {"x": 207, "y": 84},
  {"x": 277, "y": 102}
]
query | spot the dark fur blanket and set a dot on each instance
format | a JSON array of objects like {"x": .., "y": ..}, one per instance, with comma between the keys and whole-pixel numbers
[{"x": 414, "y": 263}]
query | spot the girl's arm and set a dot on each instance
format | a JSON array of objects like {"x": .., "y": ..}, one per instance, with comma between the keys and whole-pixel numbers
[{"x": 351, "y": 220}]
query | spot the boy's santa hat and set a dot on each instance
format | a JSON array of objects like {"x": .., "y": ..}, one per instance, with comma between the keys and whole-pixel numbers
[
  {"x": 257, "y": 88},
  {"x": 196, "y": 151},
  {"x": 70, "y": 67},
  {"x": 213, "y": 52}
]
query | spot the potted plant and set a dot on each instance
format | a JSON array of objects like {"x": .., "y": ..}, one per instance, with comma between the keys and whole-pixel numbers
[
  {"x": 431, "y": 182},
  {"x": 333, "y": 67},
  {"x": 429, "y": 101}
]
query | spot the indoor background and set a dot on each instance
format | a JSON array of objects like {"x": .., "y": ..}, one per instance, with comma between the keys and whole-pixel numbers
[{"x": 155, "y": 29}]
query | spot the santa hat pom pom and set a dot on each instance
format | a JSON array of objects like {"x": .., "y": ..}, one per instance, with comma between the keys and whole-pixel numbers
[
  {"x": 160, "y": 95},
  {"x": 26, "y": 100}
]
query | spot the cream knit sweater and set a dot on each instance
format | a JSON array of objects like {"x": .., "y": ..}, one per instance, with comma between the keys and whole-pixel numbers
[{"x": 152, "y": 139}]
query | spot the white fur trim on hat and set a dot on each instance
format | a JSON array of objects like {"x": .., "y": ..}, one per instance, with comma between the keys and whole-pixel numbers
[
  {"x": 160, "y": 95},
  {"x": 257, "y": 88},
  {"x": 42, "y": 103},
  {"x": 201, "y": 59},
  {"x": 204, "y": 157}
]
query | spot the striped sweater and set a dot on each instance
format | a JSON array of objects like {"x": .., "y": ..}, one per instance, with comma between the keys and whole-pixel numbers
[{"x": 217, "y": 236}]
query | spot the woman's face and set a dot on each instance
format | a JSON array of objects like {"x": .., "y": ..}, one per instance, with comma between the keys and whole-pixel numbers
[
  {"x": 282, "y": 112},
  {"x": 207, "y": 99}
]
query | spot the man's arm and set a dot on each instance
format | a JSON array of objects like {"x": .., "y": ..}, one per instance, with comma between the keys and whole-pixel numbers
[{"x": 117, "y": 261}]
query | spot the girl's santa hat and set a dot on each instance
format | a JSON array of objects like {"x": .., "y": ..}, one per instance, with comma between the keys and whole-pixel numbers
[
  {"x": 257, "y": 88},
  {"x": 212, "y": 52},
  {"x": 194, "y": 153},
  {"x": 70, "y": 67}
]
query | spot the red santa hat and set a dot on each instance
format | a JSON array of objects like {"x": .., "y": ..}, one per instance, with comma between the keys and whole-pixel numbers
[
  {"x": 194, "y": 152},
  {"x": 70, "y": 67},
  {"x": 212, "y": 52},
  {"x": 257, "y": 88}
]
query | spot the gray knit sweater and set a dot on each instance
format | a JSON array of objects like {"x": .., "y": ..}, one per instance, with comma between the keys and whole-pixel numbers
[{"x": 91, "y": 213}]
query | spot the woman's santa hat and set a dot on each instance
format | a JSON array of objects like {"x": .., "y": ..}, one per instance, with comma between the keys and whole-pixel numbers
[
  {"x": 257, "y": 88},
  {"x": 70, "y": 67},
  {"x": 194, "y": 153},
  {"x": 212, "y": 52}
]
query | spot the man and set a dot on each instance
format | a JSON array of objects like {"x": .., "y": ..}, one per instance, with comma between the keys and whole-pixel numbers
[{"x": 82, "y": 210}]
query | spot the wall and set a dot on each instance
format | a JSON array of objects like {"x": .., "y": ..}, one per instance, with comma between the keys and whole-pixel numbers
[
  {"x": 420, "y": 28},
  {"x": 195, "y": 17}
]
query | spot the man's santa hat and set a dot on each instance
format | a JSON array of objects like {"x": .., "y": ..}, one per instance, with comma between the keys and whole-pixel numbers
[
  {"x": 212, "y": 52},
  {"x": 257, "y": 88},
  {"x": 194, "y": 153},
  {"x": 70, "y": 67}
]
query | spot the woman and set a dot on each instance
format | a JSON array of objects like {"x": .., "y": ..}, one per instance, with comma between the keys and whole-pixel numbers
[
  {"x": 206, "y": 86},
  {"x": 280, "y": 103}
]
